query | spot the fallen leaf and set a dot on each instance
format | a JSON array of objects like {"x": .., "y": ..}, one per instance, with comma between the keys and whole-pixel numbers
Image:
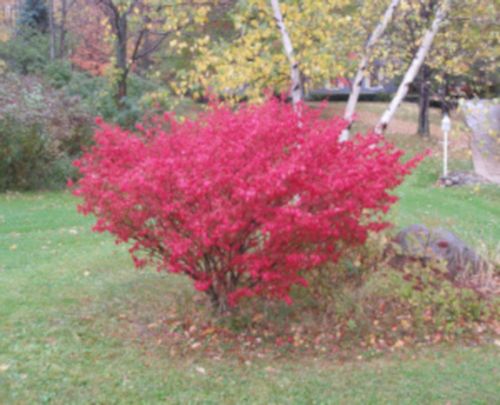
[
  {"x": 257, "y": 318},
  {"x": 437, "y": 338},
  {"x": 208, "y": 331},
  {"x": 399, "y": 343},
  {"x": 405, "y": 324},
  {"x": 13, "y": 247},
  {"x": 201, "y": 370},
  {"x": 4, "y": 367}
]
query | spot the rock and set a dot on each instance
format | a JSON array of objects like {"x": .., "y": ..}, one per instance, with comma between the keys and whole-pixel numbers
[
  {"x": 462, "y": 179},
  {"x": 420, "y": 242}
]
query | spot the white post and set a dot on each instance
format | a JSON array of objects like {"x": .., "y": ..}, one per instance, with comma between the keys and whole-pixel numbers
[
  {"x": 445, "y": 155},
  {"x": 445, "y": 127}
]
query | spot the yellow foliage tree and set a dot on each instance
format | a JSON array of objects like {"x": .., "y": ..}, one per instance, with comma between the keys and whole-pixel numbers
[
  {"x": 464, "y": 50},
  {"x": 250, "y": 58}
]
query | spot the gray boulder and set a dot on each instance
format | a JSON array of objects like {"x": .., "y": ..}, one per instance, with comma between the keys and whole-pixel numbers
[
  {"x": 462, "y": 179},
  {"x": 419, "y": 242}
]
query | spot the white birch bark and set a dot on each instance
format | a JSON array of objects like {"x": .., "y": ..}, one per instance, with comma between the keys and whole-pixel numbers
[
  {"x": 363, "y": 65},
  {"x": 296, "y": 89},
  {"x": 414, "y": 68}
]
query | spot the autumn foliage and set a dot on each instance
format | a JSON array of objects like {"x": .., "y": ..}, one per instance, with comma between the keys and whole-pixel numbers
[{"x": 243, "y": 202}]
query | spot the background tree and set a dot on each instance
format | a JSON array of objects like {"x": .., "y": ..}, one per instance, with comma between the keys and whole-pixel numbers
[
  {"x": 92, "y": 51},
  {"x": 462, "y": 56},
  {"x": 8, "y": 17},
  {"x": 363, "y": 66},
  {"x": 416, "y": 63},
  {"x": 250, "y": 57},
  {"x": 52, "y": 29},
  {"x": 138, "y": 28},
  {"x": 34, "y": 15},
  {"x": 296, "y": 85}
]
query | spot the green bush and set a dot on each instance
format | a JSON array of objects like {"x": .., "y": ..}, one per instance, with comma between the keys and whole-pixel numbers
[
  {"x": 370, "y": 295},
  {"x": 24, "y": 157},
  {"x": 30, "y": 159},
  {"x": 96, "y": 94},
  {"x": 432, "y": 298},
  {"x": 41, "y": 131},
  {"x": 27, "y": 53},
  {"x": 58, "y": 73}
]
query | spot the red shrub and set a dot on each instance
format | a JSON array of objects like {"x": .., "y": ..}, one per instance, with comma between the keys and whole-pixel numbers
[{"x": 242, "y": 202}]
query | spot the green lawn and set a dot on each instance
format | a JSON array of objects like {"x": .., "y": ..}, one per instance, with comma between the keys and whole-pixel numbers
[
  {"x": 73, "y": 314},
  {"x": 472, "y": 212}
]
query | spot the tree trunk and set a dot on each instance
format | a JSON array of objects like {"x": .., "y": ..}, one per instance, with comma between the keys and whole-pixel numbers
[
  {"x": 121, "y": 91},
  {"x": 296, "y": 88},
  {"x": 412, "y": 71},
  {"x": 424, "y": 97},
  {"x": 62, "y": 34},
  {"x": 219, "y": 303},
  {"x": 52, "y": 30},
  {"x": 443, "y": 97},
  {"x": 363, "y": 65},
  {"x": 145, "y": 62},
  {"x": 121, "y": 61}
]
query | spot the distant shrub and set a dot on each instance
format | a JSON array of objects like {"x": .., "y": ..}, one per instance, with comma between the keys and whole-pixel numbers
[
  {"x": 369, "y": 295},
  {"x": 41, "y": 131},
  {"x": 27, "y": 53},
  {"x": 433, "y": 298},
  {"x": 97, "y": 96},
  {"x": 33, "y": 15},
  {"x": 23, "y": 155},
  {"x": 58, "y": 73},
  {"x": 243, "y": 202}
]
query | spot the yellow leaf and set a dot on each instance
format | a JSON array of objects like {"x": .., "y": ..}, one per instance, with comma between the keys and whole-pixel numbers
[{"x": 398, "y": 344}]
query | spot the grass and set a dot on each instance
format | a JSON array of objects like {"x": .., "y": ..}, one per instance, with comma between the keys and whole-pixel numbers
[
  {"x": 75, "y": 316},
  {"x": 471, "y": 212}
]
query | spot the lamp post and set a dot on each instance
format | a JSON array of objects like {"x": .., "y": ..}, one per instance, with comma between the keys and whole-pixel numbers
[{"x": 445, "y": 127}]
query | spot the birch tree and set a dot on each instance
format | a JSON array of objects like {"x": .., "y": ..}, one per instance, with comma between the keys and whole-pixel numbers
[
  {"x": 463, "y": 56},
  {"x": 296, "y": 85},
  {"x": 250, "y": 58},
  {"x": 414, "y": 67},
  {"x": 363, "y": 66}
]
